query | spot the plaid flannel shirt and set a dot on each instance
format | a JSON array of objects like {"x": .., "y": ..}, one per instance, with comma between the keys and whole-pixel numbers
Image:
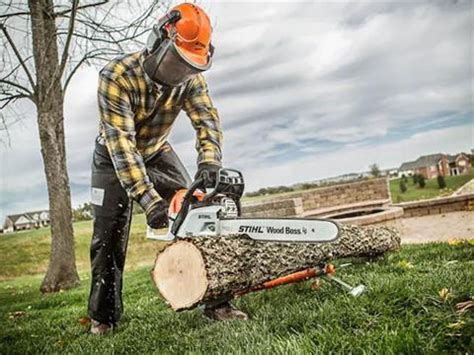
[{"x": 136, "y": 116}]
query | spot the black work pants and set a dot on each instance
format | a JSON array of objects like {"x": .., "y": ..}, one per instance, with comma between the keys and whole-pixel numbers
[{"x": 112, "y": 211}]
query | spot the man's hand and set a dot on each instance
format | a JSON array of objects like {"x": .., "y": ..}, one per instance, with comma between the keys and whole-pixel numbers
[
  {"x": 208, "y": 173},
  {"x": 157, "y": 217}
]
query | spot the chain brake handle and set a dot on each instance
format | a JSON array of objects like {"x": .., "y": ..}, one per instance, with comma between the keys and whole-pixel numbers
[
  {"x": 183, "y": 212},
  {"x": 231, "y": 186}
]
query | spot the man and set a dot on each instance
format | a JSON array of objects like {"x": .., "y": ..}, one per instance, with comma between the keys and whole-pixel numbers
[{"x": 140, "y": 96}]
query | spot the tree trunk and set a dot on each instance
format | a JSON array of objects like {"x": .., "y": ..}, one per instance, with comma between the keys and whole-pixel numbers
[
  {"x": 62, "y": 273},
  {"x": 200, "y": 270},
  {"x": 49, "y": 101}
]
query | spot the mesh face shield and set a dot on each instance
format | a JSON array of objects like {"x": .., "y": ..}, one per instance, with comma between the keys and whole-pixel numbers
[{"x": 168, "y": 65}]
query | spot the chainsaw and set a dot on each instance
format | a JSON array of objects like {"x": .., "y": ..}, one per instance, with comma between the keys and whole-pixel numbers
[{"x": 194, "y": 213}]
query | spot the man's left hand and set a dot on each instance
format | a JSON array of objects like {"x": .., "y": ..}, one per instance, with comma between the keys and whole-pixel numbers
[
  {"x": 208, "y": 173},
  {"x": 157, "y": 216}
]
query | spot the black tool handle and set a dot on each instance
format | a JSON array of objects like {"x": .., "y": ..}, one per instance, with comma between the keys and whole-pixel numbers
[{"x": 183, "y": 212}]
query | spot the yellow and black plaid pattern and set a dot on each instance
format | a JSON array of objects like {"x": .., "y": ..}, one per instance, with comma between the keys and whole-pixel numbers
[{"x": 136, "y": 116}]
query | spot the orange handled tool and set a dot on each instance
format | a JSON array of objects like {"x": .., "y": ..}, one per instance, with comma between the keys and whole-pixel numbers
[{"x": 292, "y": 278}]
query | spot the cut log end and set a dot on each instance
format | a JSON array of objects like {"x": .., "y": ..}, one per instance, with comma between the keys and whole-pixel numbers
[{"x": 180, "y": 275}]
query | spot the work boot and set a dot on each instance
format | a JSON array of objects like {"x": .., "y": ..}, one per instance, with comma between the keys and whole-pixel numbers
[
  {"x": 224, "y": 311},
  {"x": 100, "y": 328}
]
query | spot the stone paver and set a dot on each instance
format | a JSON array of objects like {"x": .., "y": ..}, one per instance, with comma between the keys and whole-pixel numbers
[
  {"x": 467, "y": 188},
  {"x": 436, "y": 228}
]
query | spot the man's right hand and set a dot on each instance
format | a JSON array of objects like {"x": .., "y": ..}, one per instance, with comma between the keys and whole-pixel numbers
[
  {"x": 208, "y": 174},
  {"x": 157, "y": 217}
]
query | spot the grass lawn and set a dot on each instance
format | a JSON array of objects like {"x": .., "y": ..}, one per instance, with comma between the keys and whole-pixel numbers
[
  {"x": 431, "y": 189},
  {"x": 27, "y": 252},
  {"x": 402, "y": 312}
]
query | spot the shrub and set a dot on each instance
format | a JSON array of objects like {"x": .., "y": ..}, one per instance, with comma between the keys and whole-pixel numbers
[
  {"x": 403, "y": 186},
  {"x": 374, "y": 170},
  {"x": 421, "y": 181},
  {"x": 82, "y": 212},
  {"x": 441, "y": 182},
  {"x": 415, "y": 179}
]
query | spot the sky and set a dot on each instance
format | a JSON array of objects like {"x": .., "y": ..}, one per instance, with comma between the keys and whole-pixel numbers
[{"x": 304, "y": 90}]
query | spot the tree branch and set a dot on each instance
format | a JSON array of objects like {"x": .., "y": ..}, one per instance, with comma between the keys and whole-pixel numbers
[
  {"x": 18, "y": 86},
  {"x": 18, "y": 55},
  {"x": 14, "y": 14},
  {"x": 11, "y": 98},
  {"x": 104, "y": 40},
  {"x": 62, "y": 13},
  {"x": 4, "y": 127},
  {"x": 97, "y": 53},
  {"x": 70, "y": 32}
]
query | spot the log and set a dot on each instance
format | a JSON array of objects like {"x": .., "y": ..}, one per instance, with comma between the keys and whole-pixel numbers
[{"x": 193, "y": 271}]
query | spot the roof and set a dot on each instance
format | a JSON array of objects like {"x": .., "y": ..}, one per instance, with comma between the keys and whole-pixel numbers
[
  {"x": 452, "y": 158},
  {"x": 424, "y": 160},
  {"x": 407, "y": 166},
  {"x": 39, "y": 211},
  {"x": 28, "y": 215},
  {"x": 429, "y": 160},
  {"x": 15, "y": 217}
]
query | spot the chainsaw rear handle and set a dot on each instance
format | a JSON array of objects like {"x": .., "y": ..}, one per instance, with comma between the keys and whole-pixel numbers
[
  {"x": 232, "y": 186},
  {"x": 205, "y": 177}
]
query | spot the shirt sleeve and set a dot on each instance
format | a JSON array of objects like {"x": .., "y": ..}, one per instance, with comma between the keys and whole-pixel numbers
[
  {"x": 206, "y": 122},
  {"x": 119, "y": 132}
]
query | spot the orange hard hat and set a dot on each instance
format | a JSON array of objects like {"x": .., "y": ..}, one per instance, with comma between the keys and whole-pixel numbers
[
  {"x": 179, "y": 46},
  {"x": 193, "y": 33}
]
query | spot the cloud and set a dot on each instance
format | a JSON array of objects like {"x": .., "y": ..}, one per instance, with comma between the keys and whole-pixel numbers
[
  {"x": 357, "y": 158},
  {"x": 304, "y": 90}
]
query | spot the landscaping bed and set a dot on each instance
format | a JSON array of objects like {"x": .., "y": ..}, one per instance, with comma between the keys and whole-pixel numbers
[{"x": 431, "y": 190}]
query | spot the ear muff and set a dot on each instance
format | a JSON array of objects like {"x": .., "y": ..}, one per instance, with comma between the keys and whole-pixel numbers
[
  {"x": 158, "y": 33},
  {"x": 154, "y": 39}
]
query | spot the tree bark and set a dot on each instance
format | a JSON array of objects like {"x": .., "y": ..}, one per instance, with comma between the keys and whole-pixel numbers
[
  {"x": 62, "y": 271},
  {"x": 200, "y": 270}
]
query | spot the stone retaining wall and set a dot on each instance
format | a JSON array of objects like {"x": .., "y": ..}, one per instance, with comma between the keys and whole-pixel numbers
[
  {"x": 284, "y": 208},
  {"x": 438, "y": 205},
  {"x": 385, "y": 214},
  {"x": 311, "y": 201},
  {"x": 297, "y": 203},
  {"x": 343, "y": 194}
]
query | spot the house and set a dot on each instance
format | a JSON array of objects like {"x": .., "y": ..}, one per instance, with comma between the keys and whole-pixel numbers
[
  {"x": 433, "y": 165},
  {"x": 459, "y": 164},
  {"x": 407, "y": 169},
  {"x": 391, "y": 173},
  {"x": 27, "y": 220},
  {"x": 41, "y": 218}
]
